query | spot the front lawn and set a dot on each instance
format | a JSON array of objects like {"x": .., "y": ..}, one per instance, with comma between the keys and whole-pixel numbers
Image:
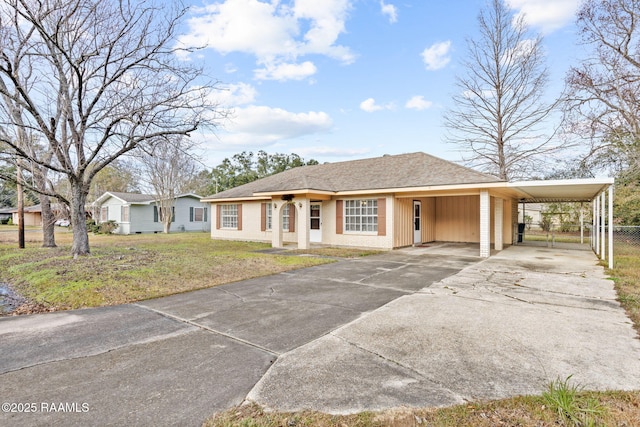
[
  {"x": 124, "y": 269},
  {"x": 626, "y": 276}
]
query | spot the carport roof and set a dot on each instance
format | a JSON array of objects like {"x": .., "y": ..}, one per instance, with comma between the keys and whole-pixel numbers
[{"x": 566, "y": 190}]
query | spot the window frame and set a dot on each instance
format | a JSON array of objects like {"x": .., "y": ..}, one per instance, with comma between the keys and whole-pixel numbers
[
  {"x": 229, "y": 216},
  {"x": 125, "y": 214},
  {"x": 195, "y": 214},
  {"x": 104, "y": 213},
  {"x": 285, "y": 216},
  {"x": 360, "y": 216}
]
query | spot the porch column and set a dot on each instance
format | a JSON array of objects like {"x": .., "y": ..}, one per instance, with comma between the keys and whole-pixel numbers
[
  {"x": 302, "y": 207},
  {"x": 485, "y": 224},
  {"x": 596, "y": 224},
  {"x": 276, "y": 223},
  {"x": 603, "y": 213},
  {"x": 611, "y": 226},
  {"x": 581, "y": 224},
  {"x": 497, "y": 221}
]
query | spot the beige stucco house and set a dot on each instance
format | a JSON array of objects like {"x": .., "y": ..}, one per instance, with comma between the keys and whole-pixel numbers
[{"x": 384, "y": 202}]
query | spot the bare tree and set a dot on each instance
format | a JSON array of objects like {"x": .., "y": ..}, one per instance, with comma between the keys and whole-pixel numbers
[
  {"x": 103, "y": 78},
  {"x": 603, "y": 102},
  {"x": 24, "y": 138},
  {"x": 499, "y": 109},
  {"x": 168, "y": 167}
]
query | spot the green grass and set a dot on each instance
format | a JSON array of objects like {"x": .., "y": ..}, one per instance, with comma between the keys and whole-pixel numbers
[
  {"x": 576, "y": 409},
  {"x": 124, "y": 269},
  {"x": 626, "y": 276}
]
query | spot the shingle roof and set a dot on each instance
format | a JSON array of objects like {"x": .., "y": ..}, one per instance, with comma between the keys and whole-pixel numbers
[
  {"x": 133, "y": 197},
  {"x": 139, "y": 198},
  {"x": 397, "y": 171}
]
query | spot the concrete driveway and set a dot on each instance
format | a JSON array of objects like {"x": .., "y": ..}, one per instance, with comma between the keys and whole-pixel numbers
[{"x": 417, "y": 327}]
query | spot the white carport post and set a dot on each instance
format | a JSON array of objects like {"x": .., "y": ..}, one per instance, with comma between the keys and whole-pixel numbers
[
  {"x": 596, "y": 221},
  {"x": 610, "y": 226},
  {"x": 302, "y": 206},
  {"x": 276, "y": 224},
  {"x": 497, "y": 223},
  {"x": 581, "y": 224},
  {"x": 603, "y": 213},
  {"x": 485, "y": 224}
]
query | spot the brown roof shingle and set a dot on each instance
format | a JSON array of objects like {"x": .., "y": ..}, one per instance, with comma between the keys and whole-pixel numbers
[{"x": 397, "y": 171}]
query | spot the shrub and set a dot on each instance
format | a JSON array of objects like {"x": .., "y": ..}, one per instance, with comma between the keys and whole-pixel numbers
[{"x": 106, "y": 227}]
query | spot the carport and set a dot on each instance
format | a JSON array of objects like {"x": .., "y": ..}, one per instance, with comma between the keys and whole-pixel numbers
[{"x": 597, "y": 191}]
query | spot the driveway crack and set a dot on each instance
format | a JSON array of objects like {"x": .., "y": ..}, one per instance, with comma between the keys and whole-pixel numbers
[
  {"x": 417, "y": 373},
  {"x": 208, "y": 329}
]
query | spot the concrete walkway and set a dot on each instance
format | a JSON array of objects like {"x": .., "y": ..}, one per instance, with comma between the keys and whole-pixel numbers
[{"x": 417, "y": 327}]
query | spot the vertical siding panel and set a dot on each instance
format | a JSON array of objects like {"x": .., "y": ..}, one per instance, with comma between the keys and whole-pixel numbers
[
  {"x": 428, "y": 233},
  {"x": 457, "y": 219},
  {"x": 403, "y": 222}
]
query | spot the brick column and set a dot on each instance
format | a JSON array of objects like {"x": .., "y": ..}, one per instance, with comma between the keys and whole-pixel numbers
[{"x": 485, "y": 224}]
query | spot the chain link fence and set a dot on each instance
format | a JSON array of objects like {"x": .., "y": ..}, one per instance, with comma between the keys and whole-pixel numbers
[{"x": 628, "y": 235}]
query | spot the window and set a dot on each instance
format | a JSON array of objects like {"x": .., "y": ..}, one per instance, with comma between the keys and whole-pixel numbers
[
  {"x": 285, "y": 217},
  {"x": 104, "y": 214},
  {"x": 361, "y": 215},
  {"x": 124, "y": 214},
  {"x": 197, "y": 214},
  {"x": 269, "y": 213},
  {"x": 157, "y": 213},
  {"x": 229, "y": 216}
]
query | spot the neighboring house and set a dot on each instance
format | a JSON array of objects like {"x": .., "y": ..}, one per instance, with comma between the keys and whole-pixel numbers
[
  {"x": 532, "y": 210},
  {"x": 5, "y": 215},
  {"x": 32, "y": 216},
  {"x": 385, "y": 202},
  {"x": 138, "y": 213}
]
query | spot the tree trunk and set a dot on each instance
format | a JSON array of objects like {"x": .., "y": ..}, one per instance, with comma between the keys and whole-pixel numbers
[
  {"x": 80, "y": 246},
  {"x": 48, "y": 223},
  {"x": 166, "y": 225}
]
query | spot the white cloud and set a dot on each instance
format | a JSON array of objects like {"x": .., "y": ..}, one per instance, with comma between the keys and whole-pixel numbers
[
  {"x": 275, "y": 32},
  {"x": 549, "y": 15},
  {"x": 262, "y": 125},
  {"x": 437, "y": 56},
  {"x": 369, "y": 105},
  {"x": 284, "y": 72},
  {"x": 418, "y": 103},
  {"x": 235, "y": 94},
  {"x": 390, "y": 10}
]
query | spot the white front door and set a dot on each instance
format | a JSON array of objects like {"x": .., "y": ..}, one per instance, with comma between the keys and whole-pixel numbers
[
  {"x": 315, "y": 219},
  {"x": 417, "y": 222}
]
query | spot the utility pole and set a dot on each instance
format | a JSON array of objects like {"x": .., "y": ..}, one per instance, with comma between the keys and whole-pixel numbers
[{"x": 20, "y": 205}]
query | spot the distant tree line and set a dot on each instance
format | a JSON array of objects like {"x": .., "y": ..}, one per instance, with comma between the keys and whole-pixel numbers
[{"x": 246, "y": 167}]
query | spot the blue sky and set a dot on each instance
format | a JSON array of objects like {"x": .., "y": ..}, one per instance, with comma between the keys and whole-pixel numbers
[{"x": 342, "y": 79}]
